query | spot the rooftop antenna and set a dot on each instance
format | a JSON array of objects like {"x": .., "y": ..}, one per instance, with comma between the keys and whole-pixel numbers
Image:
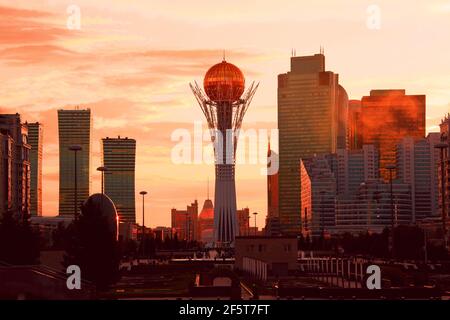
[
  {"x": 207, "y": 189},
  {"x": 223, "y": 55},
  {"x": 322, "y": 51}
]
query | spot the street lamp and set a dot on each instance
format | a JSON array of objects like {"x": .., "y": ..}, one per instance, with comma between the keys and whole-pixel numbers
[
  {"x": 102, "y": 170},
  {"x": 391, "y": 168},
  {"x": 143, "y": 193},
  {"x": 254, "y": 214},
  {"x": 75, "y": 149},
  {"x": 442, "y": 146}
]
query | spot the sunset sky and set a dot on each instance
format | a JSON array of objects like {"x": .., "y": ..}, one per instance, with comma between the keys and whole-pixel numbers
[{"x": 131, "y": 63}]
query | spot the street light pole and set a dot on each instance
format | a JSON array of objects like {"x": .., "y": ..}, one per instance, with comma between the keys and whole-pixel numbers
[
  {"x": 143, "y": 193},
  {"x": 102, "y": 170},
  {"x": 442, "y": 146},
  {"x": 75, "y": 149},
  {"x": 254, "y": 214},
  {"x": 391, "y": 168}
]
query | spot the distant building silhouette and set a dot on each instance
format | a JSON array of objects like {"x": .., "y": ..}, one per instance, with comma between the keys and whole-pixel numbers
[
  {"x": 119, "y": 158},
  {"x": 185, "y": 222},
  {"x": 312, "y": 113},
  {"x": 35, "y": 136},
  {"x": 15, "y": 166},
  {"x": 74, "y": 128},
  {"x": 243, "y": 216}
]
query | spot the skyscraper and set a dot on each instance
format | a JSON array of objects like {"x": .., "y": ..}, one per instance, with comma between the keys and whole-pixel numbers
[
  {"x": 119, "y": 158},
  {"x": 310, "y": 114},
  {"x": 35, "y": 136},
  {"x": 15, "y": 174},
  {"x": 388, "y": 116},
  {"x": 74, "y": 128}
]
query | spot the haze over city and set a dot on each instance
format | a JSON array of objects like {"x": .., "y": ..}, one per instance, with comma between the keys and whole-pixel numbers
[{"x": 129, "y": 64}]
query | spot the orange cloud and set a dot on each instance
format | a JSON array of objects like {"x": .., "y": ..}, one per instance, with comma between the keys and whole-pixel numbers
[{"x": 20, "y": 26}]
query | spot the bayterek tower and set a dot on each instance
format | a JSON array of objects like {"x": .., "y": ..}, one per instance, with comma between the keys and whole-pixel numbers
[{"x": 224, "y": 106}]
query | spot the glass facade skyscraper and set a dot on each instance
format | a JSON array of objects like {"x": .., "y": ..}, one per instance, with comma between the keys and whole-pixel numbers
[
  {"x": 74, "y": 128},
  {"x": 119, "y": 158},
  {"x": 310, "y": 120},
  {"x": 388, "y": 116}
]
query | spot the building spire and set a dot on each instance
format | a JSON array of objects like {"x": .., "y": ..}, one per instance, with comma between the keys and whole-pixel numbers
[
  {"x": 207, "y": 189},
  {"x": 223, "y": 55}
]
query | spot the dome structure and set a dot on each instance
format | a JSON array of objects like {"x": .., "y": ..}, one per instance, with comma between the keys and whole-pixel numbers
[
  {"x": 207, "y": 211},
  {"x": 224, "y": 82},
  {"x": 100, "y": 204}
]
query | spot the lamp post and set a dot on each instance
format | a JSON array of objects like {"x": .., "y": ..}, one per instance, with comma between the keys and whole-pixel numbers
[
  {"x": 75, "y": 149},
  {"x": 391, "y": 167},
  {"x": 322, "y": 213},
  {"x": 102, "y": 170},
  {"x": 255, "y": 214},
  {"x": 143, "y": 193},
  {"x": 442, "y": 146}
]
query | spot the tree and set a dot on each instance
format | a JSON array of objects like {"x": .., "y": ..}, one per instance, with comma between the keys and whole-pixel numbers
[
  {"x": 92, "y": 246},
  {"x": 19, "y": 243}
]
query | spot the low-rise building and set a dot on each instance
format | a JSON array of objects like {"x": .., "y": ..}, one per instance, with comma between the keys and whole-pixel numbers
[{"x": 264, "y": 257}]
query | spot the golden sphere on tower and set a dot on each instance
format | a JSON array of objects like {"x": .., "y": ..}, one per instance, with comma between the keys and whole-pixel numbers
[{"x": 224, "y": 82}]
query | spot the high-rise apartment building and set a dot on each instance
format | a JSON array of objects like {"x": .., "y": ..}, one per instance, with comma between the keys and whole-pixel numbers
[
  {"x": 311, "y": 120},
  {"x": 15, "y": 174},
  {"x": 387, "y": 116},
  {"x": 354, "y": 167},
  {"x": 371, "y": 211},
  {"x": 119, "y": 159},
  {"x": 417, "y": 165},
  {"x": 318, "y": 196},
  {"x": 35, "y": 136},
  {"x": 74, "y": 129}
]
